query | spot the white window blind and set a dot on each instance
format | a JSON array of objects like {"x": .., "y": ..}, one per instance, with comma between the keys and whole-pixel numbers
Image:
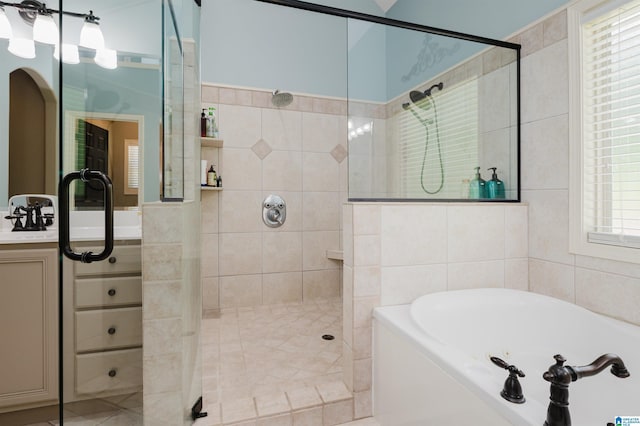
[
  {"x": 457, "y": 126},
  {"x": 132, "y": 171},
  {"x": 611, "y": 125}
]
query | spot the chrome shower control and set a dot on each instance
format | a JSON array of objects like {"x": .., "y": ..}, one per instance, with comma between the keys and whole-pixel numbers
[{"x": 274, "y": 211}]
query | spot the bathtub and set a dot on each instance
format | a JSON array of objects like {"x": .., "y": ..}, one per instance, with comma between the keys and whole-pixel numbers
[{"x": 431, "y": 359}]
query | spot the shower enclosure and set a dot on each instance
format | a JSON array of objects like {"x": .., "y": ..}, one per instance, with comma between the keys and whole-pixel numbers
[{"x": 426, "y": 108}]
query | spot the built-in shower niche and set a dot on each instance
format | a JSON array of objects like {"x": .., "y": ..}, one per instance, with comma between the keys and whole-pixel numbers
[{"x": 425, "y": 110}]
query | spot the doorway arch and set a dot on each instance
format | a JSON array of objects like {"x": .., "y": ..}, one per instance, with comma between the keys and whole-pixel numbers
[{"x": 32, "y": 134}]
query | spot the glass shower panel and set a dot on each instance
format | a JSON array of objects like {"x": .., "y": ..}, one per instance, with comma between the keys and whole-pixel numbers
[
  {"x": 425, "y": 110},
  {"x": 110, "y": 116},
  {"x": 173, "y": 93}
]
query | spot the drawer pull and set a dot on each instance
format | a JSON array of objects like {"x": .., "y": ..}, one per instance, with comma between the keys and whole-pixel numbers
[
  {"x": 112, "y": 260},
  {"x": 112, "y": 330},
  {"x": 112, "y": 373},
  {"x": 112, "y": 292}
]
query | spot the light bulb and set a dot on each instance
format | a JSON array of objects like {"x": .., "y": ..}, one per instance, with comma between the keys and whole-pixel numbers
[
  {"x": 91, "y": 36},
  {"x": 22, "y": 47},
  {"x": 70, "y": 54},
  {"x": 5, "y": 26},
  {"x": 45, "y": 29},
  {"x": 107, "y": 58}
]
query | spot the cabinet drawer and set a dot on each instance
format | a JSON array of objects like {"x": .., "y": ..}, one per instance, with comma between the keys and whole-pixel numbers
[
  {"x": 109, "y": 371},
  {"x": 96, "y": 292},
  {"x": 108, "y": 329},
  {"x": 123, "y": 260}
]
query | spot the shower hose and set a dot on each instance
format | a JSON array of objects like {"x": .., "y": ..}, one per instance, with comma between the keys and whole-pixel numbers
[{"x": 426, "y": 149}]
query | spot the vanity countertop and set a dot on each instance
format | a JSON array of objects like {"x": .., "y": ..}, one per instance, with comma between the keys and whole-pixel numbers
[{"x": 127, "y": 226}]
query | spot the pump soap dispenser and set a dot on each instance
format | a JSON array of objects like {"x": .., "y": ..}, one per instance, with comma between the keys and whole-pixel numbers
[
  {"x": 477, "y": 186},
  {"x": 494, "y": 187}
]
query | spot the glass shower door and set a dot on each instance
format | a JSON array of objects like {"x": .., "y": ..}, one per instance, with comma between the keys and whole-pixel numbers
[{"x": 110, "y": 115}]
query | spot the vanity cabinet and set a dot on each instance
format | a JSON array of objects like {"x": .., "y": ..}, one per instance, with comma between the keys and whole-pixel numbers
[
  {"x": 103, "y": 330},
  {"x": 28, "y": 326}
]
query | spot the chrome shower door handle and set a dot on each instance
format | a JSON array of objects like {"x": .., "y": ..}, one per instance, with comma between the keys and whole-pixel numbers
[{"x": 64, "y": 239}]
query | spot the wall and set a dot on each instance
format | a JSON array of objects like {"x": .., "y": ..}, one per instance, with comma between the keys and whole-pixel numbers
[
  {"x": 608, "y": 287},
  {"x": 297, "y": 152},
  {"x": 394, "y": 253},
  {"x": 172, "y": 292}
]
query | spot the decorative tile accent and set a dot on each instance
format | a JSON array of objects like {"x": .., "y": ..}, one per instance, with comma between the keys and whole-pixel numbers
[
  {"x": 339, "y": 153},
  {"x": 261, "y": 149}
]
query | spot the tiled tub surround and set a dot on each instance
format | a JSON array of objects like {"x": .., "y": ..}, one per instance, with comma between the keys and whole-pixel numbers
[
  {"x": 297, "y": 152},
  {"x": 395, "y": 252},
  {"x": 608, "y": 287}
]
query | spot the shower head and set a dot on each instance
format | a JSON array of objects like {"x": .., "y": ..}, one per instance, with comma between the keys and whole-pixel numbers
[
  {"x": 420, "y": 99},
  {"x": 438, "y": 86},
  {"x": 281, "y": 99}
]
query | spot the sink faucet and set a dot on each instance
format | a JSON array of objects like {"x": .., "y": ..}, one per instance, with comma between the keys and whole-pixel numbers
[{"x": 560, "y": 376}]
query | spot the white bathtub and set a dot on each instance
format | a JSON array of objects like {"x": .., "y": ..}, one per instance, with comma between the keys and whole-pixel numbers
[{"x": 432, "y": 367}]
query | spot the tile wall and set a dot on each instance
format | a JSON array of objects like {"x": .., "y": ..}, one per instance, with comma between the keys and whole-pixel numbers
[
  {"x": 297, "y": 152},
  {"x": 172, "y": 293},
  {"x": 394, "y": 253},
  {"x": 608, "y": 287}
]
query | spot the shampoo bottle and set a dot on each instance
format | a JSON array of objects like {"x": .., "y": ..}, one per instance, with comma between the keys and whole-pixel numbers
[
  {"x": 212, "y": 130},
  {"x": 203, "y": 124},
  {"x": 212, "y": 179},
  {"x": 477, "y": 186},
  {"x": 495, "y": 187}
]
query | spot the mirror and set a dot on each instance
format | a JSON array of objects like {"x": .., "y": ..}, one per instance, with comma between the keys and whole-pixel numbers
[{"x": 108, "y": 143}]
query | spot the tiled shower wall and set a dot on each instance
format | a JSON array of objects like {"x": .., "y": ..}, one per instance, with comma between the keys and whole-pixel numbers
[{"x": 297, "y": 152}]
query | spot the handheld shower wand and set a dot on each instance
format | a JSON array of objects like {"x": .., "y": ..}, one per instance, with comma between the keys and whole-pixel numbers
[{"x": 425, "y": 101}]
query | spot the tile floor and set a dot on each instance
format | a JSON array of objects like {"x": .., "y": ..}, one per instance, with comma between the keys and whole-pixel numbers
[
  {"x": 264, "y": 366},
  {"x": 270, "y": 365}
]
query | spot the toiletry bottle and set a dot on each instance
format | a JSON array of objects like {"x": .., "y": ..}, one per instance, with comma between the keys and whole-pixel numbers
[
  {"x": 477, "y": 186},
  {"x": 494, "y": 187},
  {"x": 212, "y": 179},
  {"x": 219, "y": 181},
  {"x": 203, "y": 172},
  {"x": 211, "y": 124},
  {"x": 203, "y": 123}
]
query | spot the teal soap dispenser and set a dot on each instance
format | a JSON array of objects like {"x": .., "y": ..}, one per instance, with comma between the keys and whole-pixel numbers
[
  {"x": 477, "y": 186},
  {"x": 494, "y": 187}
]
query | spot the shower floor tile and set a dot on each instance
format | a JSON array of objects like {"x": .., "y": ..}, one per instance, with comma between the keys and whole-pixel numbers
[{"x": 269, "y": 349}]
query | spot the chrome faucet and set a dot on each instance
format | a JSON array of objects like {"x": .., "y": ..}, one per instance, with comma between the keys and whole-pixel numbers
[{"x": 560, "y": 376}]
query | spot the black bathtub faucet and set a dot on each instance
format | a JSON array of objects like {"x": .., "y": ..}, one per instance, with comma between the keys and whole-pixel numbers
[{"x": 560, "y": 376}]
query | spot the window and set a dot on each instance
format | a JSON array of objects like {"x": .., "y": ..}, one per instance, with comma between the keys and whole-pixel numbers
[
  {"x": 605, "y": 128},
  {"x": 131, "y": 171},
  {"x": 457, "y": 124}
]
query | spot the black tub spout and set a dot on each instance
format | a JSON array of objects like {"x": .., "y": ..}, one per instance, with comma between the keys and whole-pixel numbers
[
  {"x": 561, "y": 376},
  {"x": 618, "y": 368}
]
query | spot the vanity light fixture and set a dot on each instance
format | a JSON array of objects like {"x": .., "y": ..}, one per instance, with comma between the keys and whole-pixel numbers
[
  {"x": 5, "y": 26},
  {"x": 91, "y": 35},
  {"x": 22, "y": 47},
  {"x": 46, "y": 31},
  {"x": 70, "y": 54}
]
